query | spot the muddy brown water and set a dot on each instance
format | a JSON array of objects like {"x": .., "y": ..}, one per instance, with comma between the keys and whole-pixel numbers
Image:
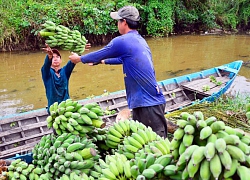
[{"x": 21, "y": 86}]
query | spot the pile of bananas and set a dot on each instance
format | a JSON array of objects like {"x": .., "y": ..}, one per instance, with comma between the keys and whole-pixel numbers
[
  {"x": 202, "y": 148},
  {"x": 19, "y": 169},
  {"x": 72, "y": 117},
  {"x": 59, "y": 156},
  {"x": 63, "y": 37},
  {"x": 206, "y": 148}
]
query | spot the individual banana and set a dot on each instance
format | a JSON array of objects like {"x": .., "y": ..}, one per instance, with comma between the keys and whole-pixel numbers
[
  {"x": 143, "y": 135},
  {"x": 239, "y": 132},
  {"x": 119, "y": 164},
  {"x": 189, "y": 129},
  {"x": 134, "y": 142},
  {"x": 113, "y": 138},
  {"x": 138, "y": 138},
  {"x": 184, "y": 115},
  {"x": 236, "y": 153},
  {"x": 192, "y": 119},
  {"x": 114, "y": 132},
  {"x": 226, "y": 160},
  {"x": 179, "y": 133},
  {"x": 188, "y": 140},
  {"x": 230, "y": 130},
  {"x": 169, "y": 170},
  {"x": 212, "y": 138},
  {"x": 243, "y": 172},
  {"x": 218, "y": 125},
  {"x": 201, "y": 124},
  {"x": 232, "y": 171},
  {"x": 198, "y": 155},
  {"x": 119, "y": 128},
  {"x": 209, "y": 151},
  {"x": 220, "y": 145},
  {"x": 215, "y": 166},
  {"x": 205, "y": 173},
  {"x": 221, "y": 134},
  {"x": 181, "y": 161},
  {"x": 135, "y": 171},
  {"x": 142, "y": 164},
  {"x": 150, "y": 159},
  {"x": 130, "y": 148},
  {"x": 244, "y": 148},
  {"x": 123, "y": 126},
  {"x": 113, "y": 168},
  {"x": 205, "y": 132},
  {"x": 210, "y": 120},
  {"x": 189, "y": 151},
  {"x": 199, "y": 115},
  {"x": 181, "y": 123},
  {"x": 192, "y": 169},
  {"x": 232, "y": 140},
  {"x": 127, "y": 169},
  {"x": 108, "y": 174},
  {"x": 164, "y": 159},
  {"x": 182, "y": 148},
  {"x": 149, "y": 173},
  {"x": 162, "y": 148}
]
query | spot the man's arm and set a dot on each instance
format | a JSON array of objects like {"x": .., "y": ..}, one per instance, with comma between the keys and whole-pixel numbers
[
  {"x": 47, "y": 62},
  {"x": 112, "y": 50},
  {"x": 112, "y": 61}
]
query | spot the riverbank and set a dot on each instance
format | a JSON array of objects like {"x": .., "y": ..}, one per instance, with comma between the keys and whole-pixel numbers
[{"x": 22, "y": 20}]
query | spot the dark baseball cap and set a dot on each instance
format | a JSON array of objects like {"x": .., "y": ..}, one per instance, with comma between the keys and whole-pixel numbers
[
  {"x": 126, "y": 12},
  {"x": 56, "y": 52}
]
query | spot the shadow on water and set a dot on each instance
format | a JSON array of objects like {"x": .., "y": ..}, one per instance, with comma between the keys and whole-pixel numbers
[{"x": 178, "y": 72}]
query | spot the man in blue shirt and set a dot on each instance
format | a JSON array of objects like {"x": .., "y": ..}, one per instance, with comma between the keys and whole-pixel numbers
[
  {"x": 55, "y": 78},
  {"x": 132, "y": 51}
]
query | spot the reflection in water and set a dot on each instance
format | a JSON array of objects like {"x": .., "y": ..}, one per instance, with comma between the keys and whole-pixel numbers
[{"x": 21, "y": 86}]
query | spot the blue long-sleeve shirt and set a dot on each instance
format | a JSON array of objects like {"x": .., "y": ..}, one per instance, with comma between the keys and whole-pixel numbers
[
  {"x": 133, "y": 52},
  {"x": 56, "y": 87}
]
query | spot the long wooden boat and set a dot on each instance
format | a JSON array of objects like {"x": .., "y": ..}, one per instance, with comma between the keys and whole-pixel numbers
[{"x": 20, "y": 132}]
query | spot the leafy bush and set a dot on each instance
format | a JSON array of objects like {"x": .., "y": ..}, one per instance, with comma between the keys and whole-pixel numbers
[{"x": 21, "y": 19}]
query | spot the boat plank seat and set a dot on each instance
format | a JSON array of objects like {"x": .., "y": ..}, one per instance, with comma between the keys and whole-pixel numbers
[
  {"x": 225, "y": 68},
  {"x": 19, "y": 133},
  {"x": 177, "y": 106},
  {"x": 18, "y": 150},
  {"x": 197, "y": 86}
]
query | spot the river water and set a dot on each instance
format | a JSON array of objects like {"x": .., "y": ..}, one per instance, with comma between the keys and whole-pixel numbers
[{"x": 21, "y": 86}]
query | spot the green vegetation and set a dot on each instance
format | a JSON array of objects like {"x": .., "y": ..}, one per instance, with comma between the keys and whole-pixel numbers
[{"x": 21, "y": 20}]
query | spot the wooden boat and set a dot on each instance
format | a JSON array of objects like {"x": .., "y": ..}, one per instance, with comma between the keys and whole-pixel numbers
[{"x": 20, "y": 132}]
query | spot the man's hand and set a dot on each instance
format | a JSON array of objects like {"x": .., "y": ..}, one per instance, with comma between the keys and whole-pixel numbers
[
  {"x": 48, "y": 50},
  {"x": 74, "y": 58},
  {"x": 87, "y": 46}
]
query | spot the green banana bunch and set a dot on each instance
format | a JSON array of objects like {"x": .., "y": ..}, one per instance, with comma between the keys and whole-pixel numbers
[
  {"x": 72, "y": 117},
  {"x": 115, "y": 167},
  {"x": 63, "y": 37},
  {"x": 19, "y": 169}
]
